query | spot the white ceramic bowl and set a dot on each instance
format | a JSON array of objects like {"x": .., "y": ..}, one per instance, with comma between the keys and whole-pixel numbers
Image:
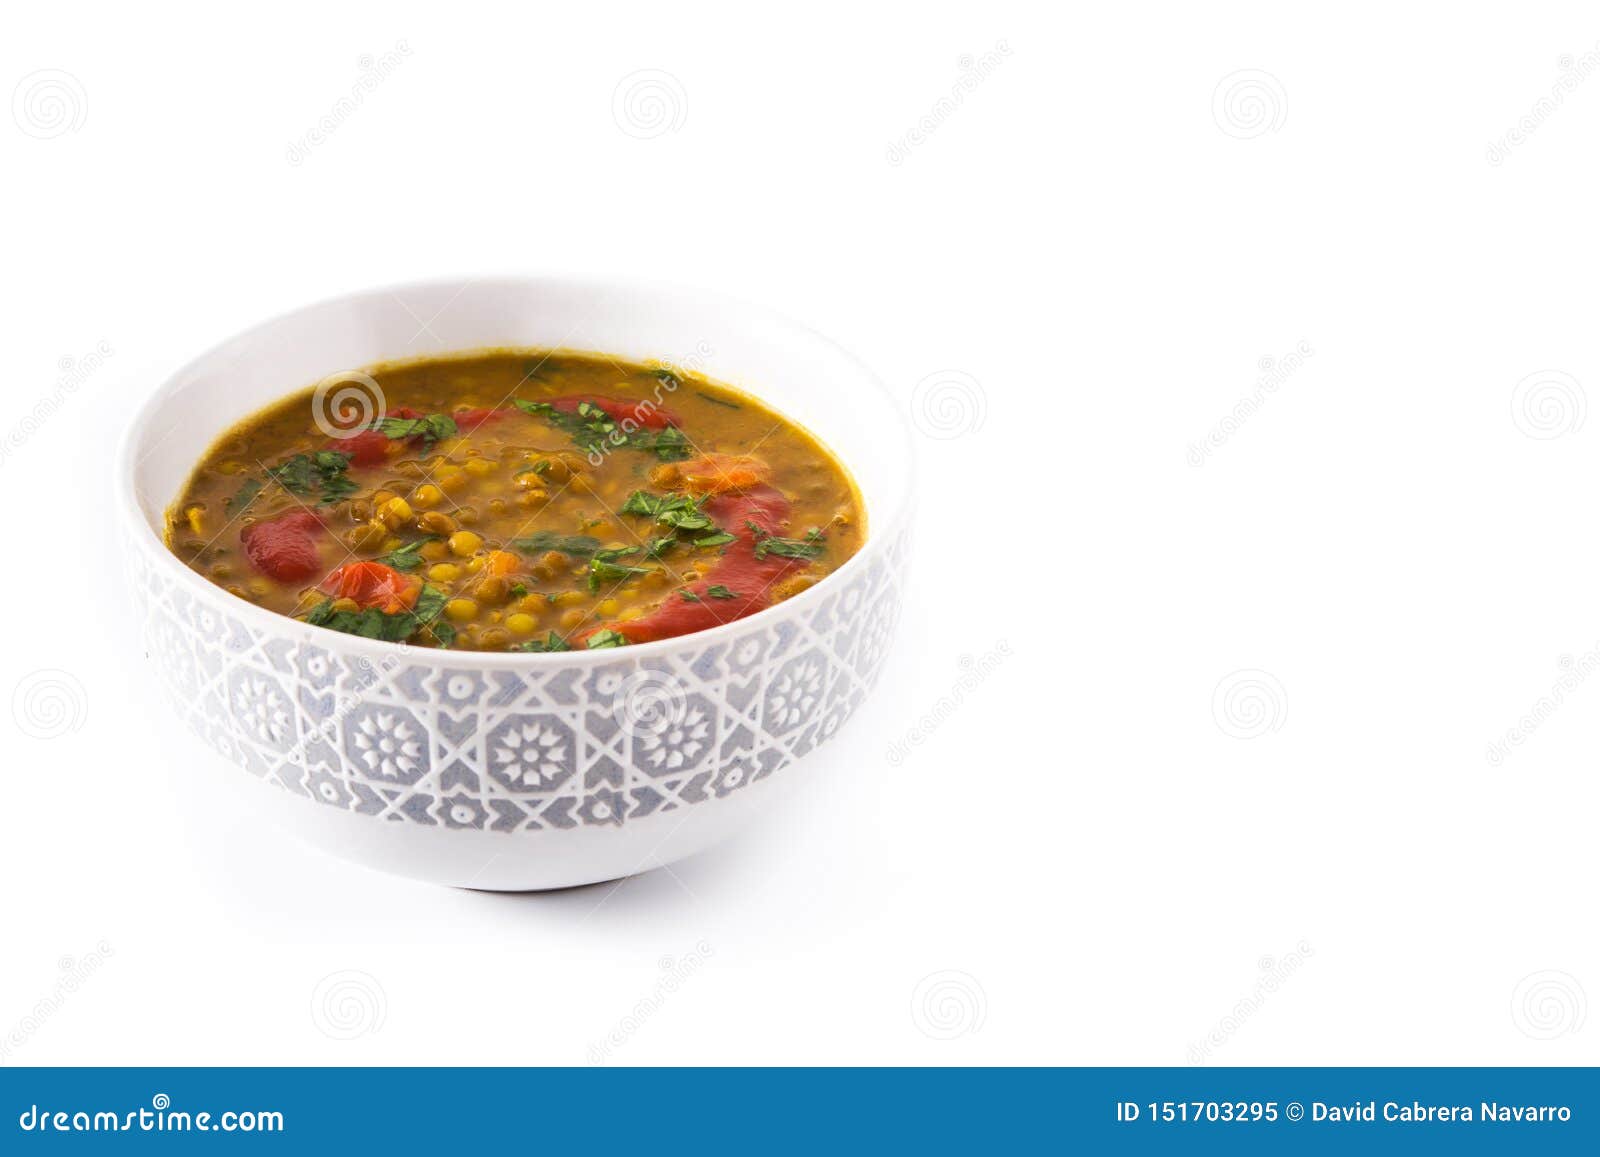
[{"x": 507, "y": 771}]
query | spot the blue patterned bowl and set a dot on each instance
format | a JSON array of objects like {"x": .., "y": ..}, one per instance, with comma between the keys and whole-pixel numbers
[{"x": 519, "y": 771}]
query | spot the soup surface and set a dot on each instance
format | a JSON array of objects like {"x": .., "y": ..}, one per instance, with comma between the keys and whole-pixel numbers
[{"x": 517, "y": 501}]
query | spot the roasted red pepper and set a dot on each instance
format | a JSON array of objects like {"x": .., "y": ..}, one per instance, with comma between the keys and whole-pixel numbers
[
  {"x": 371, "y": 584},
  {"x": 285, "y": 548}
]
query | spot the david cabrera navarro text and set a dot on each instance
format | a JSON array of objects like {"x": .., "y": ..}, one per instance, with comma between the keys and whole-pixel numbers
[{"x": 1417, "y": 1112}]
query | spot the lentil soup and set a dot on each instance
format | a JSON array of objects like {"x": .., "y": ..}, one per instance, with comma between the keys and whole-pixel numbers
[{"x": 517, "y": 500}]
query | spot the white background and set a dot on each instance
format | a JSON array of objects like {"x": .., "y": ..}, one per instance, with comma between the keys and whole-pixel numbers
[{"x": 1400, "y": 539}]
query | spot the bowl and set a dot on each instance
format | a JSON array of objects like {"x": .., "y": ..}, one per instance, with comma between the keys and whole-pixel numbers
[{"x": 519, "y": 771}]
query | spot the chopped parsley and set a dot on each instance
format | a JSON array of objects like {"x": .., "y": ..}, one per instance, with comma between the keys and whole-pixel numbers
[
  {"x": 678, "y": 511},
  {"x": 717, "y": 539},
  {"x": 551, "y": 642},
  {"x": 593, "y": 430},
  {"x": 372, "y": 623},
  {"x": 603, "y": 639},
  {"x": 540, "y": 541},
  {"x": 431, "y": 429},
  {"x": 720, "y": 592},
  {"x": 407, "y": 557},
  {"x": 243, "y": 496},
  {"x": 809, "y": 547},
  {"x": 603, "y": 570},
  {"x": 689, "y": 596},
  {"x": 320, "y": 472}
]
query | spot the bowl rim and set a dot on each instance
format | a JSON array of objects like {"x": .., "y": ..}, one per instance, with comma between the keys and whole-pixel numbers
[{"x": 881, "y": 526}]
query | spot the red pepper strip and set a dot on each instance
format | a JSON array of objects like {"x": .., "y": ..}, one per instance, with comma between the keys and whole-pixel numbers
[
  {"x": 738, "y": 571},
  {"x": 469, "y": 420},
  {"x": 645, "y": 413},
  {"x": 371, "y": 584},
  {"x": 285, "y": 548},
  {"x": 368, "y": 448}
]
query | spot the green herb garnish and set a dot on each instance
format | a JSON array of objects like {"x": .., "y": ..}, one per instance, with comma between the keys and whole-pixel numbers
[
  {"x": 810, "y": 547},
  {"x": 540, "y": 541},
  {"x": 551, "y": 642},
  {"x": 243, "y": 496},
  {"x": 431, "y": 429},
  {"x": 689, "y": 596},
  {"x": 720, "y": 592},
  {"x": 602, "y": 639},
  {"x": 322, "y": 471},
  {"x": 716, "y": 539},
  {"x": 407, "y": 557},
  {"x": 602, "y": 570},
  {"x": 679, "y": 511},
  {"x": 373, "y": 623},
  {"x": 593, "y": 429}
]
